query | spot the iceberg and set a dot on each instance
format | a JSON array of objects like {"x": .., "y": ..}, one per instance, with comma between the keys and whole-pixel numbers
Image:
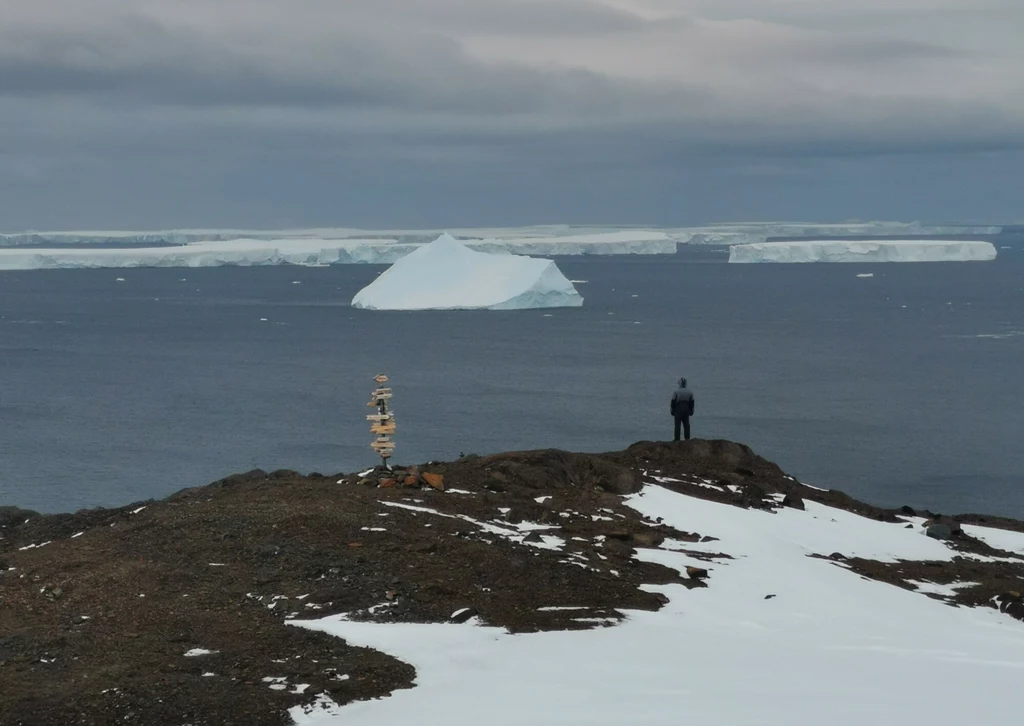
[
  {"x": 191, "y": 249},
  {"x": 217, "y": 253},
  {"x": 639, "y": 242},
  {"x": 448, "y": 275},
  {"x": 751, "y": 232},
  {"x": 864, "y": 251}
]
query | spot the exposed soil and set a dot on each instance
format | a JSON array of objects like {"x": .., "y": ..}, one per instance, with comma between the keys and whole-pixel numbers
[{"x": 98, "y": 609}]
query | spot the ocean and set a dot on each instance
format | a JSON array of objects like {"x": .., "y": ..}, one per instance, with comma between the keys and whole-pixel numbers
[{"x": 901, "y": 388}]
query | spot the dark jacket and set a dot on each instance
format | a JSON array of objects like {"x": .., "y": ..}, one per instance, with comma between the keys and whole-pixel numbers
[{"x": 682, "y": 401}]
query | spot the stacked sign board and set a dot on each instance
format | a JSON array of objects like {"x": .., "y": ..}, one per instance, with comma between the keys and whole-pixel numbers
[{"x": 382, "y": 423}]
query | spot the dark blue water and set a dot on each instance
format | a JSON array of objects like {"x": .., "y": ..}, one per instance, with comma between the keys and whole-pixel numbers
[{"x": 902, "y": 388}]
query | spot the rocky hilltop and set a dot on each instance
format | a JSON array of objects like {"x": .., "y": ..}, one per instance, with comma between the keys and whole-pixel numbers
[{"x": 175, "y": 611}]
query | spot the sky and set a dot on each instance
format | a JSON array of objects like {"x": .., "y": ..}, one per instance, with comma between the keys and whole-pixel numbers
[{"x": 119, "y": 114}]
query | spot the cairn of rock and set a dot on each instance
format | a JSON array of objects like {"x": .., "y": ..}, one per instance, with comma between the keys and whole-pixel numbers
[{"x": 399, "y": 477}]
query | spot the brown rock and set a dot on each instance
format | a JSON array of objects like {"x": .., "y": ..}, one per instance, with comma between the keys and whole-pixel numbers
[
  {"x": 696, "y": 573},
  {"x": 436, "y": 481},
  {"x": 387, "y": 483},
  {"x": 411, "y": 481}
]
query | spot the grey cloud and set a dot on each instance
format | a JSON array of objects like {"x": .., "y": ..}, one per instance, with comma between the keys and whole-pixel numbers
[
  {"x": 154, "y": 103},
  {"x": 136, "y": 59}
]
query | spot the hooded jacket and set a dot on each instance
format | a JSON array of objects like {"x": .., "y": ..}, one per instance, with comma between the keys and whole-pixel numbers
[{"x": 682, "y": 401}]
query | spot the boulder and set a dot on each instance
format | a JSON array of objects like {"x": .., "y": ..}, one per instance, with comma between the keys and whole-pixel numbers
[
  {"x": 793, "y": 501},
  {"x": 435, "y": 481},
  {"x": 696, "y": 573},
  {"x": 953, "y": 526},
  {"x": 938, "y": 531}
]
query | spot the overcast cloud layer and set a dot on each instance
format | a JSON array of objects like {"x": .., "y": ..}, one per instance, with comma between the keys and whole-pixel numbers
[{"x": 155, "y": 113}]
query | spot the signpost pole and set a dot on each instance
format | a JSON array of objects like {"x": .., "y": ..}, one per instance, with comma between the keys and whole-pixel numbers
[{"x": 382, "y": 422}]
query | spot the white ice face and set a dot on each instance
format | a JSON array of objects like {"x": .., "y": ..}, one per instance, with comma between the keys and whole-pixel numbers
[
  {"x": 213, "y": 248},
  {"x": 864, "y": 251},
  {"x": 447, "y": 275}
]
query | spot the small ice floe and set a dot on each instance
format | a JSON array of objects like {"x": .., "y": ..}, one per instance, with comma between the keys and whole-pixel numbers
[
  {"x": 548, "y": 315},
  {"x": 196, "y": 652},
  {"x": 120, "y": 279},
  {"x": 579, "y": 282},
  {"x": 296, "y": 282},
  {"x": 263, "y": 320},
  {"x": 634, "y": 296},
  {"x": 866, "y": 274}
]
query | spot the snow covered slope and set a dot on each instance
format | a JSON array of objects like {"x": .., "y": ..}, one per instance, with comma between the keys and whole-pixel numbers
[
  {"x": 864, "y": 251},
  {"x": 782, "y": 635},
  {"x": 447, "y": 275}
]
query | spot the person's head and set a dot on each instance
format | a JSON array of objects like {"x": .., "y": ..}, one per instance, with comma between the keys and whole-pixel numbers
[{"x": 682, "y": 383}]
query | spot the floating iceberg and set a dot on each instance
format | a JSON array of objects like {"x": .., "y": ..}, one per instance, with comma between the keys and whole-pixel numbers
[
  {"x": 239, "y": 252},
  {"x": 632, "y": 242},
  {"x": 751, "y": 232},
  {"x": 447, "y": 275},
  {"x": 181, "y": 249},
  {"x": 864, "y": 251}
]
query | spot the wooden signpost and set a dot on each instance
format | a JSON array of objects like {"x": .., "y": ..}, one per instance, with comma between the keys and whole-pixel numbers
[{"x": 382, "y": 423}]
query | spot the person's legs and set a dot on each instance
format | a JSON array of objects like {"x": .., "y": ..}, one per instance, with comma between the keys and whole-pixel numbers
[
  {"x": 686, "y": 428},
  {"x": 678, "y": 421}
]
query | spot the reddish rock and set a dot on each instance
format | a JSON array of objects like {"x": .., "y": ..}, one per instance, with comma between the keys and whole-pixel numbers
[
  {"x": 387, "y": 483},
  {"x": 434, "y": 480},
  {"x": 411, "y": 481},
  {"x": 696, "y": 573}
]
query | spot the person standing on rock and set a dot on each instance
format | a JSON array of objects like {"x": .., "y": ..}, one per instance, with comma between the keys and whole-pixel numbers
[{"x": 681, "y": 409}]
